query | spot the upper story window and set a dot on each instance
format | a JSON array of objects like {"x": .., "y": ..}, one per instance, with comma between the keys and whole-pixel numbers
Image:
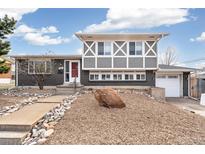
[
  {"x": 39, "y": 67},
  {"x": 104, "y": 48},
  {"x": 135, "y": 48}
]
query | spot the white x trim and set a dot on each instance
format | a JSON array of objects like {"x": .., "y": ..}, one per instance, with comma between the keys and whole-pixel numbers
[
  {"x": 150, "y": 48},
  {"x": 120, "y": 48},
  {"x": 89, "y": 48}
]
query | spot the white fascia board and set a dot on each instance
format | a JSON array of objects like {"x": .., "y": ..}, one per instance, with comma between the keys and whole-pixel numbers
[
  {"x": 175, "y": 70},
  {"x": 119, "y": 69}
]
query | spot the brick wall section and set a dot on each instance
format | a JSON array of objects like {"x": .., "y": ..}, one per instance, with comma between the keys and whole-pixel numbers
[{"x": 55, "y": 78}]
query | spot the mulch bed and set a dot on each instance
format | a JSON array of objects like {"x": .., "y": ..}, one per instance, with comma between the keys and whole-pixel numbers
[{"x": 142, "y": 121}]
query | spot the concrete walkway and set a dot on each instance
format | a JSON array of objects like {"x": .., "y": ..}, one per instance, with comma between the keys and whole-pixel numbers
[
  {"x": 15, "y": 127},
  {"x": 188, "y": 104}
]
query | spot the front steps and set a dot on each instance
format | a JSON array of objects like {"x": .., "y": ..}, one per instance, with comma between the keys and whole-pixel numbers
[
  {"x": 68, "y": 89},
  {"x": 12, "y": 137},
  {"x": 15, "y": 127}
]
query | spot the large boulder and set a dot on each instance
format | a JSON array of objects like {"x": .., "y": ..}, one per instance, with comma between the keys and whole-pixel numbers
[{"x": 108, "y": 98}]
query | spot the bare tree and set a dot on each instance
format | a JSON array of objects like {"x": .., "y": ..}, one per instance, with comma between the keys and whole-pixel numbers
[
  {"x": 39, "y": 70},
  {"x": 169, "y": 57}
]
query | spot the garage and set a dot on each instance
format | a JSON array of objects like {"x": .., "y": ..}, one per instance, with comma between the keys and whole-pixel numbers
[{"x": 171, "y": 83}]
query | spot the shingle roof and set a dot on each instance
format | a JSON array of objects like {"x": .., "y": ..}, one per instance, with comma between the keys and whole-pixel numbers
[
  {"x": 175, "y": 68},
  {"x": 47, "y": 56}
]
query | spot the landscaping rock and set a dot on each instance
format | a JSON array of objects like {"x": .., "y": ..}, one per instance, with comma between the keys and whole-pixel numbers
[
  {"x": 109, "y": 98},
  {"x": 34, "y": 132},
  {"x": 48, "y": 132},
  {"x": 42, "y": 140}
]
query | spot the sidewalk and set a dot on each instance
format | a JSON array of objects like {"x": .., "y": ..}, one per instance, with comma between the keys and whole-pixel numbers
[
  {"x": 14, "y": 127},
  {"x": 188, "y": 104}
]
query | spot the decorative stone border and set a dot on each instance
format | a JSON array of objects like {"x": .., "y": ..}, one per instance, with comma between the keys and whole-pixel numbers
[
  {"x": 45, "y": 127},
  {"x": 6, "y": 110}
]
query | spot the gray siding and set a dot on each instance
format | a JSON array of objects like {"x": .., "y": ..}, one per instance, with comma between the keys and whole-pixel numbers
[
  {"x": 185, "y": 83},
  {"x": 85, "y": 48},
  {"x": 120, "y": 62},
  {"x": 115, "y": 48},
  {"x": 104, "y": 62},
  {"x": 124, "y": 48},
  {"x": 55, "y": 78},
  {"x": 89, "y": 62},
  {"x": 120, "y": 53},
  {"x": 135, "y": 62},
  {"x": 150, "y": 43},
  {"x": 150, "y": 62},
  {"x": 150, "y": 81},
  {"x": 89, "y": 43},
  {"x": 150, "y": 53},
  {"x": 89, "y": 53}
]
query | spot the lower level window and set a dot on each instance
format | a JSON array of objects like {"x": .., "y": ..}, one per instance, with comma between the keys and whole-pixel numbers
[
  {"x": 117, "y": 76},
  {"x": 140, "y": 77},
  {"x": 105, "y": 76},
  {"x": 129, "y": 77},
  {"x": 94, "y": 77}
]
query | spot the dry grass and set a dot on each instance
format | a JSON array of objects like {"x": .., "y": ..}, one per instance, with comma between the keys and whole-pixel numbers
[{"x": 142, "y": 121}]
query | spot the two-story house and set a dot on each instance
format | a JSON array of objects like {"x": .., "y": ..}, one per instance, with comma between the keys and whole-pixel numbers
[{"x": 107, "y": 60}]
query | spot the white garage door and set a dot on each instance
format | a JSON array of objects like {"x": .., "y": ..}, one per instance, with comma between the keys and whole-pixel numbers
[{"x": 171, "y": 83}]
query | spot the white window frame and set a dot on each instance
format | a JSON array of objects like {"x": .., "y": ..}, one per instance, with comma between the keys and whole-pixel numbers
[
  {"x": 129, "y": 74},
  {"x": 142, "y": 46},
  {"x": 111, "y": 48},
  {"x": 106, "y": 76},
  {"x": 118, "y": 79},
  {"x": 123, "y": 73},
  {"x": 95, "y": 74},
  {"x": 34, "y": 66},
  {"x": 140, "y": 73}
]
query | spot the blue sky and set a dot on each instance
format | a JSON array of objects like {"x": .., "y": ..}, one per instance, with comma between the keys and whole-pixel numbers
[{"x": 55, "y": 28}]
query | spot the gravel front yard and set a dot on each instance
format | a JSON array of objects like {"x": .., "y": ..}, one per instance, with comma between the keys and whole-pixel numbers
[
  {"x": 12, "y": 97},
  {"x": 9, "y": 100},
  {"x": 142, "y": 121}
]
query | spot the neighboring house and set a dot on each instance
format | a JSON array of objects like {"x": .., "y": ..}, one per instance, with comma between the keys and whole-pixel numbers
[
  {"x": 108, "y": 60},
  {"x": 6, "y": 78},
  {"x": 197, "y": 83}
]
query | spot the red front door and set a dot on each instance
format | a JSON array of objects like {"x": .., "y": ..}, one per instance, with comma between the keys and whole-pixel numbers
[{"x": 74, "y": 69}]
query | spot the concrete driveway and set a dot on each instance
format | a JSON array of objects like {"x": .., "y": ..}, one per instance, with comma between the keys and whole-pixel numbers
[{"x": 188, "y": 104}]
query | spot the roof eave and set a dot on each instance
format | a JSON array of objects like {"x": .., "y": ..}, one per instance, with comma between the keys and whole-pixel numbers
[{"x": 175, "y": 70}]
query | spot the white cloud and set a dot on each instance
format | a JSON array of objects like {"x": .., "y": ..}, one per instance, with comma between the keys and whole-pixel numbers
[
  {"x": 200, "y": 38},
  {"x": 39, "y": 36},
  {"x": 118, "y": 19},
  {"x": 50, "y": 29},
  {"x": 15, "y": 13},
  {"x": 39, "y": 39},
  {"x": 26, "y": 29},
  {"x": 23, "y": 29}
]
